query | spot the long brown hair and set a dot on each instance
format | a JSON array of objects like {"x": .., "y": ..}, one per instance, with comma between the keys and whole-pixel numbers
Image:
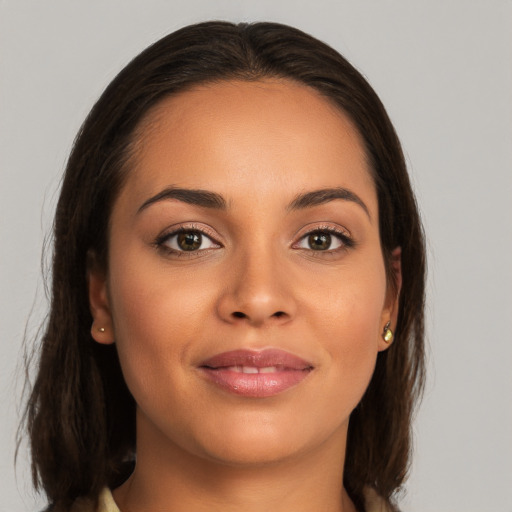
[{"x": 80, "y": 416}]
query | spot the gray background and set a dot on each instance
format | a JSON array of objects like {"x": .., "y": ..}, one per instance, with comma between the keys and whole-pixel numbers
[{"x": 444, "y": 71}]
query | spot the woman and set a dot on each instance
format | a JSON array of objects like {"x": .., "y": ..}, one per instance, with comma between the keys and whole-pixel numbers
[{"x": 238, "y": 287}]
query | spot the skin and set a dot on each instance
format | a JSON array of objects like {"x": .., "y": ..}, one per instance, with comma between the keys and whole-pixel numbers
[{"x": 257, "y": 284}]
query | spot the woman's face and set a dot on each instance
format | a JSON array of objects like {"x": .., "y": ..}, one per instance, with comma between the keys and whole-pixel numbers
[{"x": 246, "y": 290}]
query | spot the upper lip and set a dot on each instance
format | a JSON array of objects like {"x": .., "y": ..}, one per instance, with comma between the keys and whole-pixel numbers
[{"x": 257, "y": 359}]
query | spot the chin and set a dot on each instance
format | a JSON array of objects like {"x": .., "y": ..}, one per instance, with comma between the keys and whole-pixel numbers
[
  {"x": 253, "y": 452},
  {"x": 257, "y": 439}
]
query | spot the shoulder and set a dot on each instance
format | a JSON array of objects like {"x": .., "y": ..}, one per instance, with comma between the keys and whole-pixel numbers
[
  {"x": 375, "y": 503},
  {"x": 105, "y": 502}
]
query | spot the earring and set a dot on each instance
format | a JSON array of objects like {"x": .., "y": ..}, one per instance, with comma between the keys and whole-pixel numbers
[
  {"x": 101, "y": 329},
  {"x": 387, "y": 334}
]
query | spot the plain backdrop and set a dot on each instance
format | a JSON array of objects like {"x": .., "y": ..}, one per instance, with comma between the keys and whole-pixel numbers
[{"x": 443, "y": 68}]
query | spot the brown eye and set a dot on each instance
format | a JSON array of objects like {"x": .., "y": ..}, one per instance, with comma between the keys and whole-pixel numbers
[
  {"x": 319, "y": 241},
  {"x": 186, "y": 240},
  {"x": 328, "y": 240},
  {"x": 189, "y": 240}
]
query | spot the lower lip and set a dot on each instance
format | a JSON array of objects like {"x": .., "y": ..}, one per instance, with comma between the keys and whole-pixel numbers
[{"x": 255, "y": 385}]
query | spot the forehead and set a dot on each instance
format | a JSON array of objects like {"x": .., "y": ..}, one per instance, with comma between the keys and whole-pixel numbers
[{"x": 248, "y": 137}]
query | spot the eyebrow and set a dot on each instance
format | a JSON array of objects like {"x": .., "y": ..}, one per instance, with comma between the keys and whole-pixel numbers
[
  {"x": 207, "y": 199},
  {"x": 202, "y": 198},
  {"x": 325, "y": 195}
]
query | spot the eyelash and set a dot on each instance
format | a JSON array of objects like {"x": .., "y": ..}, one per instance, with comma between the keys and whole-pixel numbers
[
  {"x": 347, "y": 242},
  {"x": 161, "y": 242}
]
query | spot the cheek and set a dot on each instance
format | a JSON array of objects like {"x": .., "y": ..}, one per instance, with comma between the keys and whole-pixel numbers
[
  {"x": 155, "y": 317},
  {"x": 353, "y": 349},
  {"x": 151, "y": 302},
  {"x": 348, "y": 323}
]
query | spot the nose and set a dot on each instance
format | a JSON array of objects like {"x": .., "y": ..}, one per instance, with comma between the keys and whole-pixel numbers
[{"x": 258, "y": 292}]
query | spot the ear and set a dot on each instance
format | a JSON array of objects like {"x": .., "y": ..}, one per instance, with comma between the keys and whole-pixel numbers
[
  {"x": 390, "y": 311},
  {"x": 102, "y": 328}
]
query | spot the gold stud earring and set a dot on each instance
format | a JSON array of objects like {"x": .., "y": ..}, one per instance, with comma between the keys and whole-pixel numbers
[
  {"x": 387, "y": 334},
  {"x": 101, "y": 329}
]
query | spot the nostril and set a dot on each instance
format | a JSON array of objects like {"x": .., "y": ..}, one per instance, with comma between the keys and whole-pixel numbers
[{"x": 240, "y": 314}]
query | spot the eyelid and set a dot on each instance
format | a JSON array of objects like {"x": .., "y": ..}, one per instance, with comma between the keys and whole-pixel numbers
[
  {"x": 342, "y": 233},
  {"x": 160, "y": 241},
  {"x": 338, "y": 231}
]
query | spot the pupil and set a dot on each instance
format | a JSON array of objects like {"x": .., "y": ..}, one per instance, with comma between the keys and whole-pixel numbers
[
  {"x": 320, "y": 241},
  {"x": 189, "y": 241}
]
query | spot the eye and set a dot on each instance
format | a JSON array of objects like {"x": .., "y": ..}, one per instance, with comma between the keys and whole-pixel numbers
[
  {"x": 325, "y": 239},
  {"x": 186, "y": 240}
]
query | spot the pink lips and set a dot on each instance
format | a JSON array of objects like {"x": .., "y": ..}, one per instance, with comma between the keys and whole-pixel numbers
[{"x": 256, "y": 374}]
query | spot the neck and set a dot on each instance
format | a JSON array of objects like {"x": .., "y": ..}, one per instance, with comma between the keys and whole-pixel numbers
[{"x": 166, "y": 477}]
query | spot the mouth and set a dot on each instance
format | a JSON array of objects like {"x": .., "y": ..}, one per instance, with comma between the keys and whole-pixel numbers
[{"x": 256, "y": 374}]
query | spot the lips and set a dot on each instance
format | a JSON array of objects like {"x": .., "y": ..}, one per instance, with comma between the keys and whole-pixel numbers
[{"x": 255, "y": 374}]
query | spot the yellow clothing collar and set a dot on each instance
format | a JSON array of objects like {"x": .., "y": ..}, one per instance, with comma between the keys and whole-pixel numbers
[{"x": 106, "y": 503}]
